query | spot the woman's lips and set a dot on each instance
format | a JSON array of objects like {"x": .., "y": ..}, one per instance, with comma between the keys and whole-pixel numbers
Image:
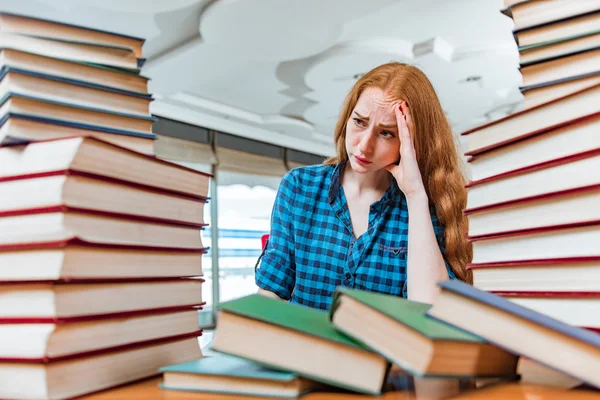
[{"x": 362, "y": 160}]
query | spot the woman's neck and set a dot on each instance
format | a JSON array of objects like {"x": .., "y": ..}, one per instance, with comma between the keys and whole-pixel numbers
[{"x": 375, "y": 182}]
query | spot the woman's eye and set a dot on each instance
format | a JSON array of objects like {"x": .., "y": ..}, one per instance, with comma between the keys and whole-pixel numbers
[
  {"x": 359, "y": 122},
  {"x": 387, "y": 134}
]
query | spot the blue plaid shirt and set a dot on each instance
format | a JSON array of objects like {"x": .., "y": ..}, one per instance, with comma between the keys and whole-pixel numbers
[{"x": 312, "y": 249}]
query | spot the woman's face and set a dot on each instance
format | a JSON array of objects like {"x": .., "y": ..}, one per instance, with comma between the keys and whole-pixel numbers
[{"x": 372, "y": 140}]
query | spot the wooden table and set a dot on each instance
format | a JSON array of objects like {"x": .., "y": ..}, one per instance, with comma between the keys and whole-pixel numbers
[{"x": 149, "y": 390}]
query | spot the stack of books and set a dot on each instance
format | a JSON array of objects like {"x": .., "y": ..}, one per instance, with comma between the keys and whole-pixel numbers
[
  {"x": 559, "y": 46},
  {"x": 59, "y": 80},
  {"x": 350, "y": 348},
  {"x": 268, "y": 347},
  {"x": 100, "y": 246},
  {"x": 533, "y": 200}
]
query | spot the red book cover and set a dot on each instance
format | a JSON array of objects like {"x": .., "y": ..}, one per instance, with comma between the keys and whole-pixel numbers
[
  {"x": 523, "y": 112},
  {"x": 546, "y": 164},
  {"x": 474, "y": 210},
  {"x": 128, "y": 346},
  {"x": 75, "y": 241},
  {"x": 98, "y": 317},
  {"x": 528, "y": 232},
  {"x": 66, "y": 208},
  {"x": 534, "y": 263},
  {"x": 87, "y": 174},
  {"x": 554, "y": 294}
]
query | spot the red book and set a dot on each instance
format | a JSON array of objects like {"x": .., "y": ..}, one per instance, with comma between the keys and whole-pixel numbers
[
  {"x": 51, "y": 301},
  {"x": 78, "y": 260},
  {"x": 544, "y": 117},
  {"x": 566, "y": 274},
  {"x": 97, "y": 371},
  {"x": 93, "y": 157},
  {"x": 63, "y": 225},
  {"x": 573, "y": 308},
  {"x": 94, "y": 194}
]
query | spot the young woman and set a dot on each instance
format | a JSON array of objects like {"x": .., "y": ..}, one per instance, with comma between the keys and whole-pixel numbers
[{"x": 384, "y": 215}]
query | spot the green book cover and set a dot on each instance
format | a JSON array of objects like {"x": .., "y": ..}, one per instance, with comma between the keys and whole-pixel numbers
[
  {"x": 556, "y": 41},
  {"x": 408, "y": 313},
  {"x": 300, "y": 319},
  {"x": 225, "y": 365},
  {"x": 290, "y": 316}
]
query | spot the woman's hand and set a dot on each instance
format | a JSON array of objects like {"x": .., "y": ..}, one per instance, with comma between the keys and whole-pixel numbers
[{"x": 407, "y": 173}]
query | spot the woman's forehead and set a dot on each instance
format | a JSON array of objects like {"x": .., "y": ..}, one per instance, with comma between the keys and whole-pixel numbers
[{"x": 375, "y": 101}]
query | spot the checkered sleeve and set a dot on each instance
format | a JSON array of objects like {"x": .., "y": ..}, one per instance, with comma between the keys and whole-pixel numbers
[
  {"x": 277, "y": 270},
  {"x": 438, "y": 229}
]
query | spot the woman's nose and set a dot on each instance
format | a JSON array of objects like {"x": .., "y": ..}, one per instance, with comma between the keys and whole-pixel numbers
[{"x": 366, "y": 142}]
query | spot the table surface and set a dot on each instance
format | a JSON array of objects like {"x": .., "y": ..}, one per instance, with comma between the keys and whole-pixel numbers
[{"x": 148, "y": 390}]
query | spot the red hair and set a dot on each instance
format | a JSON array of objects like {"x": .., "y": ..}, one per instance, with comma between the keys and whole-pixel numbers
[{"x": 435, "y": 148}]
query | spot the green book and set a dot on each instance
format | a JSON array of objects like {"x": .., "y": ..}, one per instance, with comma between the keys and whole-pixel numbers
[
  {"x": 558, "y": 48},
  {"x": 232, "y": 375},
  {"x": 399, "y": 330},
  {"x": 292, "y": 337}
]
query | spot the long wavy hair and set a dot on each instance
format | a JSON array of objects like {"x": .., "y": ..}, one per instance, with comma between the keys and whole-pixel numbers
[{"x": 435, "y": 148}]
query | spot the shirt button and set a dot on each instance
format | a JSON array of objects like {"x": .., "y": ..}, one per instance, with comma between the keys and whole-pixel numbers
[{"x": 348, "y": 275}]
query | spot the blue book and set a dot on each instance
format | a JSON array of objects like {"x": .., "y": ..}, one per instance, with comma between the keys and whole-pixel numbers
[
  {"x": 232, "y": 375},
  {"x": 519, "y": 330}
]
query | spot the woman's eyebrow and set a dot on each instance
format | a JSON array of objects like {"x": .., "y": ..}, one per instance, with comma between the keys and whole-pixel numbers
[{"x": 392, "y": 126}]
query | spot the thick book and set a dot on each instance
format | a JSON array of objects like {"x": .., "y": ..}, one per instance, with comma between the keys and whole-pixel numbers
[
  {"x": 17, "y": 128},
  {"x": 563, "y": 175},
  {"x": 518, "y": 390},
  {"x": 68, "y": 90},
  {"x": 556, "y": 89},
  {"x": 93, "y": 373},
  {"x": 87, "y": 156},
  {"x": 545, "y": 147},
  {"x": 543, "y": 244},
  {"x": 44, "y": 228},
  {"x": 93, "y": 194},
  {"x": 38, "y": 27},
  {"x": 537, "y": 53},
  {"x": 225, "y": 374},
  {"x": 533, "y": 373},
  {"x": 263, "y": 330},
  {"x": 568, "y": 27},
  {"x": 548, "y": 116},
  {"x": 398, "y": 329},
  {"x": 77, "y": 260},
  {"x": 572, "y": 350},
  {"x": 96, "y": 74},
  {"x": 57, "y": 341},
  {"x": 573, "y": 308},
  {"x": 577, "y": 275},
  {"x": 527, "y": 14},
  {"x": 103, "y": 54},
  {"x": 72, "y": 112},
  {"x": 573, "y": 208},
  {"x": 45, "y": 302},
  {"x": 561, "y": 68}
]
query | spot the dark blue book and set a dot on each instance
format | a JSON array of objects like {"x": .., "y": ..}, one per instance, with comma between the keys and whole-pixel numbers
[
  {"x": 569, "y": 349},
  {"x": 37, "y": 106},
  {"x": 67, "y": 90},
  {"x": 18, "y": 128}
]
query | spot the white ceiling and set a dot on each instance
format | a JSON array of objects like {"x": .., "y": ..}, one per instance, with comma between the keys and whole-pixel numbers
[{"x": 278, "y": 70}]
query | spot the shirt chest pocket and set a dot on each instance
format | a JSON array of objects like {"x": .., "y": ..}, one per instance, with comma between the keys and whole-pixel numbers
[{"x": 392, "y": 252}]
